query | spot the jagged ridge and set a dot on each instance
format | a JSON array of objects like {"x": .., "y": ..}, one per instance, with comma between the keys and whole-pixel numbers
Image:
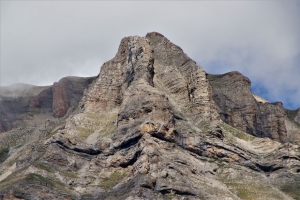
[{"x": 148, "y": 128}]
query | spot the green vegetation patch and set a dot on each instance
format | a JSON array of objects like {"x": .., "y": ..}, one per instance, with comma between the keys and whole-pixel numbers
[
  {"x": 52, "y": 170},
  {"x": 46, "y": 181},
  {"x": 183, "y": 127},
  {"x": 4, "y": 154},
  {"x": 85, "y": 132},
  {"x": 112, "y": 180},
  {"x": 212, "y": 77},
  {"x": 251, "y": 190},
  {"x": 38, "y": 180},
  {"x": 38, "y": 177},
  {"x": 103, "y": 122},
  {"x": 17, "y": 137},
  {"x": 13, "y": 177},
  {"x": 44, "y": 167},
  {"x": 205, "y": 127},
  {"x": 231, "y": 133},
  {"x": 292, "y": 189}
]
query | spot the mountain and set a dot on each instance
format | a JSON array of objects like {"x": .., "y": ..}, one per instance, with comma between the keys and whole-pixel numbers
[
  {"x": 248, "y": 112},
  {"x": 19, "y": 99},
  {"x": 151, "y": 125}
]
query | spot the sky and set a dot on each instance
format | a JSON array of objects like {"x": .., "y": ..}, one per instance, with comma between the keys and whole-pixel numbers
[{"x": 43, "y": 41}]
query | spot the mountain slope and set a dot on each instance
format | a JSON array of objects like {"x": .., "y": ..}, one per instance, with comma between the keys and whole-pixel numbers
[
  {"x": 241, "y": 109},
  {"x": 19, "y": 99},
  {"x": 149, "y": 127}
]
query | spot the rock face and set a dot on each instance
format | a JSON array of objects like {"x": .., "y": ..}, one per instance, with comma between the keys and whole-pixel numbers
[
  {"x": 15, "y": 101},
  {"x": 292, "y": 123},
  {"x": 237, "y": 107},
  {"x": 67, "y": 93},
  {"x": 297, "y": 117},
  {"x": 148, "y": 128},
  {"x": 152, "y": 81},
  {"x": 20, "y": 99}
]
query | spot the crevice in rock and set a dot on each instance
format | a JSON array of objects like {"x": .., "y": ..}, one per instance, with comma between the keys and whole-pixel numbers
[
  {"x": 268, "y": 168},
  {"x": 177, "y": 117},
  {"x": 289, "y": 157},
  {"x": 132, "y": 160},
  {"x": 187, "y": 60},
  {"x": 89, "y": 151},
  {"x": 161, "y": 136},
  {"x": 174, "y": 191},
  {"x": 130, "y": 142},
  {"x": 138, "y": 52},
  {"x": 189, "y": 92}
]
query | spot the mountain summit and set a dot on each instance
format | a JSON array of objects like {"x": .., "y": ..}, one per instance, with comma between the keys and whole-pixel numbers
[{"x": 151, "y": 125}]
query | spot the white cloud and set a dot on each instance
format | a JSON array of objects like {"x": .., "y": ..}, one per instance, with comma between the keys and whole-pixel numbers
[{"x": 42, "y": 41}]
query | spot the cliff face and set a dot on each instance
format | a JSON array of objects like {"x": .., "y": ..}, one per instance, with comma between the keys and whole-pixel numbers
[
  {"x": 148, "y": 127},
  {"x": 296, "y": 117},
  {"x": 20, "y": 99},
  {"x": 238, "y": 107},
  {"x": 67, "y": 93},
  {"x": 15, "y": 101}
]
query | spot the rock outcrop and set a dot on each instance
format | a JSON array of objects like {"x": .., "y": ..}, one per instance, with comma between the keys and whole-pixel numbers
[
  {"x": 149, "y": 127},
  {"x": 292, "y": 123},
  {"x": 20, "y": 99},
  {"x": 15, "y": 101},
  {"x": 295, "y": 114},
  {"x": 238, "y": 107},
  {"x": 292, "y": 114},
  {"x": 67, "y": 93}
]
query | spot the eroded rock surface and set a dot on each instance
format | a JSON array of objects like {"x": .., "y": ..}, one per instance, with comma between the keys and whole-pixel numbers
[
  {"x": 237, "y": 107},
  {"x": 19, "y": 99},
  {"x": 148, "y": 128},
  {"x": 292, "y": 114},
  {"x": 15, "y": 101},
  {"x": 67, "y": 93},
  {"x": 296, "y": 116}
]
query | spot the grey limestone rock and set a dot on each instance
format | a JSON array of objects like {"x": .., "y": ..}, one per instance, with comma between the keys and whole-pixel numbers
[{"x": 149, "y": 127}]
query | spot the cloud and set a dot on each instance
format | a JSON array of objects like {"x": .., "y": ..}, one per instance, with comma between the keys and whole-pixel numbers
[{"x": 43, "y": 41}]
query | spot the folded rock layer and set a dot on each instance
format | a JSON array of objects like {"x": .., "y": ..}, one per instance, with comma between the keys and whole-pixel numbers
[{"x": 149, "y": 126}]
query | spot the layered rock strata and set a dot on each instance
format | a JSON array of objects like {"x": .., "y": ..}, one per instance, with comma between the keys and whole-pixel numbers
[
  {"x": 150, "y": 94},
  {"x": 15, "y": 100},
  {"x": 238, "y": 107},
  {"x": 20, "y": 99},
  {"x": 148, "y": 128}
]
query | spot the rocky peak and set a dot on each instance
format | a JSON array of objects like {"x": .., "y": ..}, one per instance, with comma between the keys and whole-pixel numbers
[
  {"x": 148, "y": 127},
  {"x": 151, "y": 93},
  {"x": 238, "y": 107},
  {"x": 149, "y": 75}
]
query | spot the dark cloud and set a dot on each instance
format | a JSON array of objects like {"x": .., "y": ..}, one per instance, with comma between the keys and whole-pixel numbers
[{"x": 43, "y": 41}]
